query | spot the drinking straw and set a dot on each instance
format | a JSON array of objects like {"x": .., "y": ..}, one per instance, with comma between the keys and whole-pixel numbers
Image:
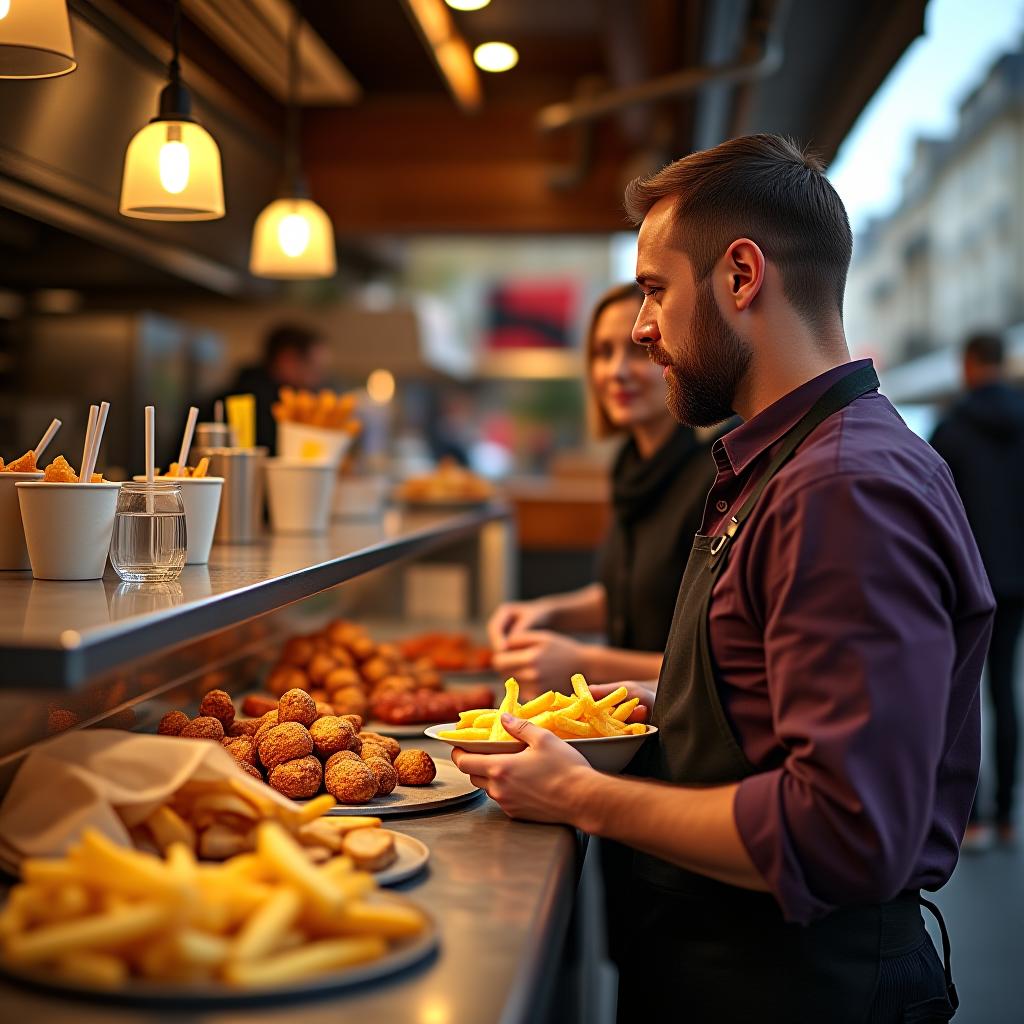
[
  {"x": 94, "y": 412},
  {"x": 186, "y": 441},
  {"x": 218, "y": 411},
  {"x": 46, "y": 438},
  {"x": 97, "y": 439},
  {"x": 150, "y": 444}
]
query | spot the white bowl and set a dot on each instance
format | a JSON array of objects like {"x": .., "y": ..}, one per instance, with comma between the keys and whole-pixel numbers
[
  {"x": 201, "y": 497},
  {"x": 13, "y": 553},
  {"x": 605, "y": 753},
  {"x": 299, "y": 495}
]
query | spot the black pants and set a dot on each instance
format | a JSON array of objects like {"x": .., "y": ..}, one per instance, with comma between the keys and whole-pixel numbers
[{"x": 1002, "y": 651}]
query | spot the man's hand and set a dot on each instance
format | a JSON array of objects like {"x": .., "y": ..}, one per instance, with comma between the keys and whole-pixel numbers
[
  {"x": 645, "y": 692},
  {"x": 541, "y": 660},
  {"x": 514, "y": 617},
  {"x": 541, "y": 783}
]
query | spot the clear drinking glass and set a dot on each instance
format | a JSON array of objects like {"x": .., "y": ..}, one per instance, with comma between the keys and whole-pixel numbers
[{"x": 149, "y": 539}]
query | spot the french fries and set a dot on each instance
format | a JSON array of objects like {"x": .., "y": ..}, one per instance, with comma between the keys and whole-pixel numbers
[
  {"x": 325, "y": 409},
  {"x": 577, "y": 717},
  {"x": 266, "y": 918}
]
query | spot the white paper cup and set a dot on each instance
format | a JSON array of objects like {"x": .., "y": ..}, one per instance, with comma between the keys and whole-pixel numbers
[
  {"x": 299, "y": 494},
  {"x": 67, "y": 528},
  {"x": 360, "y": 497},
  {"x": 201, "y": 497},
  {"x": 301, "y": 441},
  {"x": 13, "y": 553}
]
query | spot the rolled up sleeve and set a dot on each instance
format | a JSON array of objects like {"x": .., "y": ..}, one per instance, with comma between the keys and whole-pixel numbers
[{"x": 859, "y": 654}]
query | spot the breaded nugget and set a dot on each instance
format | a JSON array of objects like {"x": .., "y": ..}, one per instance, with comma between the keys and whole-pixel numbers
[
  {"x": 244, "y": 727},
  {"x": 217, "y": 704},
  {"x": 387, "y": 777},
  {"x": 266, "y": 723},
  {"x": 392, "y": 745},
  {"x": 172, "y": 723},
  {"x": 350, "y": 781},
  {"x": 341, "y": 755},
  {"x": 299, "y": 778},
  {"x": 284, "y": 742},
  {"x": 415, "y": 768},
  {"x": 205, "y": 727},
  {"x": 296, "y": 706},
  {"x": 371, "y": 749},
  {"x": 287, "y": 677},
  {"x": 331, "y": 735},
  {"x": 256, "y": 705},
  {"x": 241, "y": 748},
  {"x": 356, "y": 721}
]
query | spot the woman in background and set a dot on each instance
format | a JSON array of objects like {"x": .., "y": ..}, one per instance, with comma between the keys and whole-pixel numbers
[{"x": 660, "y": 481}]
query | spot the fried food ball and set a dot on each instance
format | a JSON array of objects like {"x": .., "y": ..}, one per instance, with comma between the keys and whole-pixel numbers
[
  {"x": 429, "y": 679},
  {"x": 319, "y": 695},
  {"x": 331, "y": 735},
  {"x": 320, "y": 667},
  {"x": 415, "y": 768},
  {"x": 389, "y": 652},
  {"x": 256, "y": 705},
  {"x": 371, "y": 749},
  {"x": 350, "y": 701},
  {"x": 296, "y": 706},
  {"x": 342, "y": 632},
  {"x": 244, "y": 727},
  {"x": 387, "y": 777},
  {"x": 341, "y": 656},
  {"x": 217, "y": 704},
  {"x": 376, "y": 668},
  {"x": 284, "y": 742},
  {"x": 341, "y": 755},
  {"x": 394, "y": 684},
  {"x": 204, "y": 728},
  {"x": 356, "y": 721},
  {"x": 298, "y": 651},
  {"x": 172, "y": 723},
  {"x": 350, "y": 781},
  {"x": 392, "y": 745},
  {"x": 324, "y": 710},
  {"x": 342, "y": 677},
  {"x": 299, "y": 778},
  {"x": 362, "y": 648},
  {"x": 285, "y": 678},
  {"x": 241, "y": 748},
  {"x": 250, "y": 769}
]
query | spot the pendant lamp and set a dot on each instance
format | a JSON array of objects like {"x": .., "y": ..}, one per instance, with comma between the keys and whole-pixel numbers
[
  {"x": 172, "y": 167},
  {"x": 293, "y": 238},
  {"x": 35, "y": 39}
]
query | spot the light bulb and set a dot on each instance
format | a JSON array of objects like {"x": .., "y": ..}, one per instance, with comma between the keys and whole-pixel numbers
[
  {"x": 467, "y": 5},
  {"x": 495, "y": 57},
  {"x": 174, "y": 163},
  {"x": 293, "y": 234},
  {"x": 5, "y": 8}
]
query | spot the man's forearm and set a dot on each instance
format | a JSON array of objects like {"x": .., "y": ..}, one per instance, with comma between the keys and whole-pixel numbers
[
  {"x": 612, "y": 664},
  {"x": 578, "y": 611},
  {"x": 693, "y": 828}
]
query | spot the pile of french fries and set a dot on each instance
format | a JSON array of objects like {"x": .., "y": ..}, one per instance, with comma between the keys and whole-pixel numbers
[
  {"x": 325, "y": 408},
  {"x": 201, "y": 468},
  {"x": 105, "y": 915},
  {"x": 580, "y": 716}
]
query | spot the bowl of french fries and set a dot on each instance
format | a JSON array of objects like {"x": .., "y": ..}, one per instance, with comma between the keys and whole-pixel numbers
[
  {"x": 599, "y": 728},
  {"x": 316, "y": 426},
  {"x": 168, "y": 928}
]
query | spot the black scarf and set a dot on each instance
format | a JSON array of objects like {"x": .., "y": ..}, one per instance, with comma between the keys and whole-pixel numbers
[{"x": 637, "y": 483}]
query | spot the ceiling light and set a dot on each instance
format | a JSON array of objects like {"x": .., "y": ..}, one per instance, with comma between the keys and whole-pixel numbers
[
  {"x": 35, "y": 39},
  {"x": 172, "y": 166},
  {"x": 380, "y": 386},
  {"x": 467, "y": 5},
  {"x": 496, "y": 57}
]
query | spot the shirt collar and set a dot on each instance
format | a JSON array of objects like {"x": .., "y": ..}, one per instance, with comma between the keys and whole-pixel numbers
[{"x": 749, "y": 440}]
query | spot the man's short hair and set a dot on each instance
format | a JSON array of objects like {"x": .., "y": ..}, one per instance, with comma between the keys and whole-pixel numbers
[
  {"x": 769, "y": 189},
  {"x": 289, "y": 338},
  {"x": 986, "y": 349}
]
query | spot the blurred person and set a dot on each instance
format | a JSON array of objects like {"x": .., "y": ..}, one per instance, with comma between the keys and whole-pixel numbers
[
  {"x": 660, "y": 481},
  {"x": 293, "y": 356},
  {"x": 818, "y": 703},
  {"x": 982, "y": 441}
]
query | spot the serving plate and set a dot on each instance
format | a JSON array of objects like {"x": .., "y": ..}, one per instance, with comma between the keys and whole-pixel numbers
[
  {"x": 411, "y": 860},
  {"x": 448, "y": 789},
  {"x": 605, "y": 753}
]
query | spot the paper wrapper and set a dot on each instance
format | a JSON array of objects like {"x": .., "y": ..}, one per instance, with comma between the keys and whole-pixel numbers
[{"x": 109, "y": 780}]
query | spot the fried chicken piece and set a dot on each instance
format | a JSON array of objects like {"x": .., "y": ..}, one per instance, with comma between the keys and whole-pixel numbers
[
  {"x": 244, "y": 727},
  {"x": 172, "y": 723},
  {"x": 204, "y": 728},
  {"x": 299, "y": 778},
  {"x": 371, "y": 749},
  {"x": 387, "y": 777},
  {"x": 59, "y": 472},
  {"x": 392, "y": 745},
  {"x": 350, "y": 781},
  {"x": 284, "y": 743},
  {"x": 26, "y": 464},
  {"x": 286, "y": 677},
  {"x": 241, "y": 748},
  {"x": 296, "y": 706},
  {"x": 256, "y": 705},
  {"x": 415, "y": 768},
  {"x": 374, "y": 850},
  {"x": 217, "y": 704},
  {"x": 331, "y": 735}
]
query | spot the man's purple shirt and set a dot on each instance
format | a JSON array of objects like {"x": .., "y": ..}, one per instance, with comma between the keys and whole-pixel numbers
[{"x": 849, "y": 630}]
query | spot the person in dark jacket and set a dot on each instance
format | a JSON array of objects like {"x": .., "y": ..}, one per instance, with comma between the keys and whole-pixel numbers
[
  {"x": 660, "y": 481},
  {"x": 982, "y": 441}
]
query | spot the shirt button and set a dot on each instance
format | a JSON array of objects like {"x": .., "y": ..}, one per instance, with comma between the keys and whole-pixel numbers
[{"x": 722, "y": 506}]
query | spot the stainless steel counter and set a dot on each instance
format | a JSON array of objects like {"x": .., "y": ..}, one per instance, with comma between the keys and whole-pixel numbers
[
  {"x": 502, "y": 893},
  {"x": 58, "y": 634}
]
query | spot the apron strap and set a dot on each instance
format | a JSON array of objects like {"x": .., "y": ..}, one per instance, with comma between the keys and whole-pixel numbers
[
  {"x": 954, "y": 999},
  {"x": 841, "y": 394}
]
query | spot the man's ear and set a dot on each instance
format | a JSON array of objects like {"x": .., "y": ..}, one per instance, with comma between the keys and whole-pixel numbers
[{"x": 744, "y": 264}]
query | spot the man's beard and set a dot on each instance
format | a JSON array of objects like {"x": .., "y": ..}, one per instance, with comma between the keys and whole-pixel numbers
[{"x": 702, "y": 384}]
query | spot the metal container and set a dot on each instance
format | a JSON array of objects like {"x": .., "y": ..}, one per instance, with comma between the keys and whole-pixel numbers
[
  {"x": 240, "y": 520},
  {"x": 212, "y": 435}
]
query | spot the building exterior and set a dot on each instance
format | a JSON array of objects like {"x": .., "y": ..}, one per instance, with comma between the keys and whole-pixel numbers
[{"x": 950, "y": 259}]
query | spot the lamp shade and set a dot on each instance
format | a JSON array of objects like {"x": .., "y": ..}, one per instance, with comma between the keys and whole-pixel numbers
[
  {"x": 293, "y": 238},
  {"x": 35, "y": 39},
  {"x": 172, "y": 172}
]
